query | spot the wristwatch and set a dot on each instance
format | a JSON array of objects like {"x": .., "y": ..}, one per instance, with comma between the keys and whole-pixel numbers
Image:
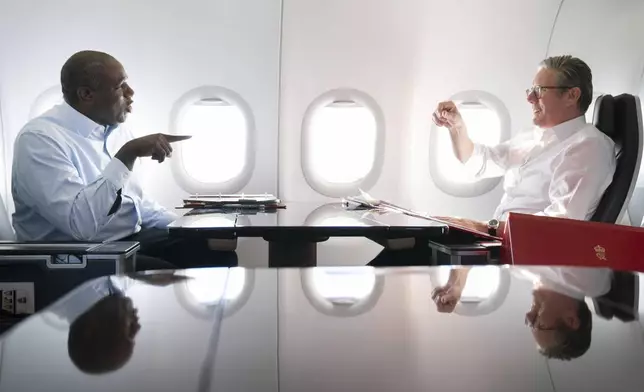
[{"x": 493, "y": 227}]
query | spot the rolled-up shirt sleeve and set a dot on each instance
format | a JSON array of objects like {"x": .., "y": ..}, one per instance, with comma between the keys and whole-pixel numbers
[
  {"x": 580, "y": 180},
  {"x": 47, "y": 181},
  {"x": 488, "y": 162}
]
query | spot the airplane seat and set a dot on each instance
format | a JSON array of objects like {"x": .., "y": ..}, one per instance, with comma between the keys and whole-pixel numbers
[
  {"x": 619, "y": 117},
  {"x": 39, "y": 273},
  {"x": 622, "y": 300}
]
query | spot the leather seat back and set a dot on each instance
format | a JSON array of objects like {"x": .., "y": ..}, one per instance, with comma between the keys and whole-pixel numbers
[{"x": 620, "y": 118}]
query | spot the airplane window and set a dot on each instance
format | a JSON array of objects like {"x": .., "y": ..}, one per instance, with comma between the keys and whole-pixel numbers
[
  {"x": 45, "y": 101},
  {"x": 488, "y": 123},
  {"x": 342, "y": 142},
  {"x": 483, "y": 126},
  {"x": 481, "y": 283},
  {"x": 210, "y": 285},
  {"x": 217, "y": 151},
  {"x": 344, "y": 285}
]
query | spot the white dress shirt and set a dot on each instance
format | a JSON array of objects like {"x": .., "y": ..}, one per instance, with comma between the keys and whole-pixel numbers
[
  {"x": 560, "y": 172},
  {"x": 65, "y": 182},
  {"x": 575, "y": 282}
]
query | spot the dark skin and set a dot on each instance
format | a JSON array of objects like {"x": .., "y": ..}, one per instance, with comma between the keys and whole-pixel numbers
[{"x": 109, "y": 105}]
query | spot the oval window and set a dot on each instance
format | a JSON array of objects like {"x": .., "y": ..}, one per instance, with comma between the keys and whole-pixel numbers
[
  {"x": 342, "y": 143},
  {"x": 45, "y": 101},
  {"x": 217, "y": 150},
  {"x": 220, "y": 156},
  {"x": 488, "y": 123}
]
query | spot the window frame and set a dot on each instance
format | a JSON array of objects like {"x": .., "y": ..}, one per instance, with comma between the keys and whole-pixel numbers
[
  {"x": 486, "y": 306},
  {"x": 43, "y": 96},
  {"x": 482, "y": 186},
  {"x": 180, "y": 174},
  {"x": 315, "y": 181},
  {"x": 328, "y": 307}
]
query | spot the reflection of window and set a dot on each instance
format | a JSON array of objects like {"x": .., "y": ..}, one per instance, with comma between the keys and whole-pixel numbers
[
  {"x": 45, "y": 101},
  {"x": 344, "y": 285},
  {"x": 342, "y": 142},
  {"x": 483, "y": 126},
  {"x": 210, "y": 285},
  {"x": 481, "y": 283},
  {"x": 217, "y": 150},
  {"x": 210, "y": 221},
  {"x": 339, "y": 221}
]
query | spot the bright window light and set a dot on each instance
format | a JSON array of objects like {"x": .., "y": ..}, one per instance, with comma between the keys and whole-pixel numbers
[
  {"x": 339, "y": 221},
  {"x": 342, "y": 142},
  {"x": 483, "y": 126},
  {"x": 209, "y": 285},
  {"x": 481, "y": 283},
  {"x": 344, "y": 285},
  {"x": 46, "y": 101},
  {"x": 217, "y": 150}
]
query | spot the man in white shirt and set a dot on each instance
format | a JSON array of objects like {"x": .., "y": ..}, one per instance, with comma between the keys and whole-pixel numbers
[
  {"x": 559, "y": 318},
  {"x": 72, "y": 174},
  {"x": 560, "y": 169}
]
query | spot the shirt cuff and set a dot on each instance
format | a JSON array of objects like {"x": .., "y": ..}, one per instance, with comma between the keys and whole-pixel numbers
[
  {"x": 474, "y": 164},
  {"x": 117, "y": 173}
]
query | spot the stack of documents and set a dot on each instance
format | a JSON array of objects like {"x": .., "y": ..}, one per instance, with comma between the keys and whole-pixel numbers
[{"x": 246, "y": 201}]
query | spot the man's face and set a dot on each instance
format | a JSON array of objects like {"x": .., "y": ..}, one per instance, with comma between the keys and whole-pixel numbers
[
  {"x": 550, "y": 312},
  {"x": 551, "y": 106},
  {"x": 112, "y": 101}
]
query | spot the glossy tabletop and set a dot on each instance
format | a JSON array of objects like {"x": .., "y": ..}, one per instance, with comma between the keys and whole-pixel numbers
[
  {"x": 306, "y": 220},
  {"x": 317, "y": 329}
]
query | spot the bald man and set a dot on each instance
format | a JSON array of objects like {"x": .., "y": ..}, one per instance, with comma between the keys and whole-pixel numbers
[{"x": 72, "y": 167}]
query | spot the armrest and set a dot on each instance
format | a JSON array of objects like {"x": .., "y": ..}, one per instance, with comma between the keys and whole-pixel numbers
[{"x": 66, "y": 253}]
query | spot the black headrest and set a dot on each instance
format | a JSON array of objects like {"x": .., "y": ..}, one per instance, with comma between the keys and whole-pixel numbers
[
  {"x": 604, "y": 116},
  {"x": 625, "y": 131}
]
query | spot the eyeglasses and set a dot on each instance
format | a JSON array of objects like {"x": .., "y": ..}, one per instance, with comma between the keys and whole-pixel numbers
[
  {"x": 536, "y": 325},
  {"x": 539, "y": 90}
]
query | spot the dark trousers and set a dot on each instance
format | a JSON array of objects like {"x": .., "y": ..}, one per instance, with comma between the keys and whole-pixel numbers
[{"x": 159, "y": 251}]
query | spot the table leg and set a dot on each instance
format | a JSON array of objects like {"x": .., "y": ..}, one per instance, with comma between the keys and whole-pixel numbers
[{"x": 292, "y": 254}]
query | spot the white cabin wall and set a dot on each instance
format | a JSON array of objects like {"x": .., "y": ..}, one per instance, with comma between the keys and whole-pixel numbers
[
  {"x": 368, "y": 45},
  {"x": 493, "y": 46},
  {"x": 608, "y": 37},
  {"x": 167, "y": 48}
]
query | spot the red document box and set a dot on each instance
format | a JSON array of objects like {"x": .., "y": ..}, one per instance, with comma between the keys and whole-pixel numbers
[{"x": 537, "y": 240}]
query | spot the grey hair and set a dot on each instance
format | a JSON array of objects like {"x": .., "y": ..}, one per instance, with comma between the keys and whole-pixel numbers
[{"x": 573, "y": 72}]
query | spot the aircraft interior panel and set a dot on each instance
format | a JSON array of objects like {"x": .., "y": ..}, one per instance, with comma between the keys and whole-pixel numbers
[
  {"x": 196, "y": 67},
  {"x": 313, "y": 101}
]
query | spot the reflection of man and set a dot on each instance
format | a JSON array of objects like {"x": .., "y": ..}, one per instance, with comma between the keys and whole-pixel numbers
[
  {"x": 561, "y": 169},
  {"x": 559, "y": 318},
  {"x": 104, "y": 322},
  {"x": 102, "y": 339}
]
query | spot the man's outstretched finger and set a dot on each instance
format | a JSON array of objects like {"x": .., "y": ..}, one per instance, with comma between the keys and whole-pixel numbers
[{"x": 176, "y": 138}]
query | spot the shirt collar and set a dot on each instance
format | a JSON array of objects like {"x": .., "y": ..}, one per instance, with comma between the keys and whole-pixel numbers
[
  {"x": 80, "y": 123},
  {"x": 564, "y": 130}
]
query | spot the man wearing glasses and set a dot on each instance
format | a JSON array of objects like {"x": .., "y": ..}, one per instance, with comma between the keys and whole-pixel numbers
[
  {"x": 559, "y": 318},
  {"x": 561, "y": 169}
]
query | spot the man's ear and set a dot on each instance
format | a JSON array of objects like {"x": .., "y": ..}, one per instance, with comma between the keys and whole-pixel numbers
[
  {"x": 572, "y": 321},
  {"x": 574, "y": 95},
  {"x": 85, "y": 94}
]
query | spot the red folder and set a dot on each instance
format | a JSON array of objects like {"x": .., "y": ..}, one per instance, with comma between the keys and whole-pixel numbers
[{"x": 538, "y": 240}]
